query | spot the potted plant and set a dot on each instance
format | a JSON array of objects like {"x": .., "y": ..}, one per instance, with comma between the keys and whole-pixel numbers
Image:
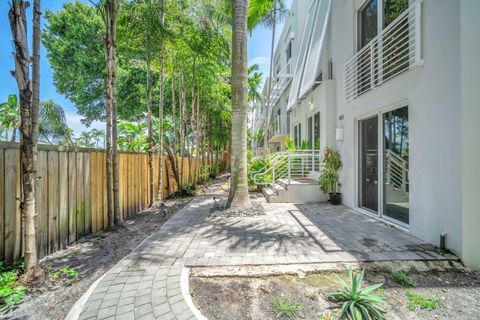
[{"x": 329, "y": 175}]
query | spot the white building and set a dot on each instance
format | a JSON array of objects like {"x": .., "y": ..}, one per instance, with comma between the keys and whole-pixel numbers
[{"x": 394, "y": 86}]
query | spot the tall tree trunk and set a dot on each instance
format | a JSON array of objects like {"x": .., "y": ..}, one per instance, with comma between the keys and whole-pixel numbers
[
  {"x": 238, "y": 197},
  {"x": 150, "y": 126},
  {"x": 28, "y": 116},
  {"x": 182, "y": 124},
  {"x": 197, "y": 135},
  {"x": 174, "y": 115},
  {"x": 111, "y": 17},
  {"x": 272, "y": 47},
  {"x": 160, "y": 112}
]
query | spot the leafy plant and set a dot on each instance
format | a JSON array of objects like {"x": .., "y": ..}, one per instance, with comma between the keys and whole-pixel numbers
[
  {"x": 417, "y": 301},
  {"x": 285, "y": 308},
  {"x": 258, "y": 165},
  {"x": 358, "y": 303},
  {"x": 329, "y": 175},
  {"x": 305, "y": 144},
  {"x": 187, "y": 190},
  {"x": 290, "y": 144},
  {"x": 403, "y": 279},
  {"x": 10, "y": 293},
  {"x": 67, "y": 271}
]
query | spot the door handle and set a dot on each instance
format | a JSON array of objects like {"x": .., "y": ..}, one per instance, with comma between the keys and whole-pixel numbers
[{"x": 375, "y": 182}]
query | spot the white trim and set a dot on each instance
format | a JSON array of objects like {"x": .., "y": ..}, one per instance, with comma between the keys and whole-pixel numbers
[{"x": 185, "y": 289}]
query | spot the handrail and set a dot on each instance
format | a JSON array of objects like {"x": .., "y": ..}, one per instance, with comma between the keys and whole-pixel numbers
[
  {"x": 397, "y": 171},
  {"x": 394, "y": 50}
]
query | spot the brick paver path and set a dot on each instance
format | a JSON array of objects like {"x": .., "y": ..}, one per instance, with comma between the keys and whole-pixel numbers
[{"x": 146, "y": 284}]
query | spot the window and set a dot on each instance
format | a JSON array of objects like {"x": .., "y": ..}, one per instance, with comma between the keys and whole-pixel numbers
[
  {"x": 310, "y": 131},
  {"x": 318, "y": 80},
  {"x": 313, "y": 131},
  {"x": 367, "y": 23},
  {"x": 288, "y": 56},
  {"x": 330, "y": 69},
  {"x": 297, "y": 134}
]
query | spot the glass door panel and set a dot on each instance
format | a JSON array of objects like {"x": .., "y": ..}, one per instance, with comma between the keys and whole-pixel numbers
[
  {"x": 369, "y": 164},
  {"x": 396, "y": 165}
]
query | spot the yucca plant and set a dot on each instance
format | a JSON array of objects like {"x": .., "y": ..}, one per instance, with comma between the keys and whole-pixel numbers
[{"x": 358, "y": 303}]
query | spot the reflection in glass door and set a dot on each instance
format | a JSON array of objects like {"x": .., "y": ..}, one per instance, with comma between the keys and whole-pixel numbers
[
  {"x": 369, "y": 163},
  {"x": 396, "y": 165}
]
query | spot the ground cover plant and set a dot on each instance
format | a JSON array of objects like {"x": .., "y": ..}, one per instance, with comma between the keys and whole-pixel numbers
[
  {"x": 11, "y": 291},
  {"x": 418, "y": 301}
]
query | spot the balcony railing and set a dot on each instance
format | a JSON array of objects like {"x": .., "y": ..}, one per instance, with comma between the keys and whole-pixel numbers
[
  {"x": 278, "y": 126},
  {"x": 280, "y": 82},
  {"x": 395, "y": 50}
]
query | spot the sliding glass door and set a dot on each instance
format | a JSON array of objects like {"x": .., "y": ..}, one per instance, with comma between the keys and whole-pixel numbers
[
  {"x": 384, "y": 165},
  {"x": 395, "y": 165}
]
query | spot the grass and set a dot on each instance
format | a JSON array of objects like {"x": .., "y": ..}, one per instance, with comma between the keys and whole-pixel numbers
[
  {"x": 403, "y": 279},
  {"x": 285, "y": 308},
  {"x": 416, "y": 301}
]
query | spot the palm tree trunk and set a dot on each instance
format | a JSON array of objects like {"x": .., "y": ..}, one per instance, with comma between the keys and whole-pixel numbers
[
  {"x": 174, "y": 114},
  {"x": 182, "y": 124},
  {"x": 272, "y": 47},
  {"x": 29, "y": 116},
  {"x": 160, "y": 112},
  {"x": 238, "y": 197},
  {"x": 150, "y": 126}
]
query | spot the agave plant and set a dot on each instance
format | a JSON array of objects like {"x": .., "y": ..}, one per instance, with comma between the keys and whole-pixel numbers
[{"x": 358, "y": 303}]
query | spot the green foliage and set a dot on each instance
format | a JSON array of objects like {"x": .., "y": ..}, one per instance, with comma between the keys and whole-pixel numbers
[
  {"x": 417, "y": 301},
  {"x": 305, "y": 144},
  {"x": 329, "y": 174},
  {"x": 9, "y": 117},
  {"x": 403, "y": 279},
  {"x": 285, "y": 308},
  {"x": 358, "y": 303},
  {"x": 10, "y": 293},
  {"x": 52, "y": 125},
  {"x": 74, "y": 39},
  {"x": 187, "y": 190},
  {"x": 257, "y": 165},
  {"x": 290, "y": 144},
  {"x": 66, "y": 271}
]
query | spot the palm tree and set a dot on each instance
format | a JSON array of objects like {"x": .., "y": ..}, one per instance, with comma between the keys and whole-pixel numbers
[
  {"x": 10, "y": 116},
  {"x": 238, "y": 197},
  {"x": 267, "y": 13},
  {"x": 53, "y": 126},
  {"x": 254, "y": 83}
]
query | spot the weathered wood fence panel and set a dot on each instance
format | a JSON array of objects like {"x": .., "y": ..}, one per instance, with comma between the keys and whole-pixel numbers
[{"x": 71, "y": 194}]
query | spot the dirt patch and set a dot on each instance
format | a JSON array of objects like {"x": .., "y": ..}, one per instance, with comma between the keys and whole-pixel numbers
[
  {"x": 457, "y": 293},
  {"x": 91, "y": 257}
]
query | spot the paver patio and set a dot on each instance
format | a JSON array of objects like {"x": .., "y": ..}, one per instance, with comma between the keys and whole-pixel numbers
[{"x": 146, "y": 284}]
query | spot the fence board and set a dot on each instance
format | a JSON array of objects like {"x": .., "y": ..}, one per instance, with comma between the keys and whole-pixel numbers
[
  {"x": 12, "y": 211},
  {"x": 53, "y": 201},
  {"x": 63, "y": 192},
  {"x": 87, "y": 196},
  {"x": 41, "y": 195},
  {"x": 80, "y": 200},
  {"x": 72, "y": 197},
  {"x": 2, "y": 204}
]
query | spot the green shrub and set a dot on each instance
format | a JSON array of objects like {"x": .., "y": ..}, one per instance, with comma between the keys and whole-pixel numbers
[
  {"x": 290, "y": 144},
  {"x": 187, "y": 190},
  {"x": 10, "y": 293},
  {"x": 285, "y": 308},
  {"x": 403, "y": 279},
  {"x": 66, "y": 271},
  {"x": 417, "y": 301},
  {"x": 357, "y": 303},
  {"x": 329, "y": 175},
  {"x": 258, "y": 165}
]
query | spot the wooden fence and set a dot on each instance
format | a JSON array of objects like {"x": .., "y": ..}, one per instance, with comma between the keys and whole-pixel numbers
[{"x": 71, "y": 194}]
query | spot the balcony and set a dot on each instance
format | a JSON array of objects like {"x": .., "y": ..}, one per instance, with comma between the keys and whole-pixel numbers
[
  {"x": 278, "y": 129},
  {"x": 394, "y": 51},
  {"x": 280, "y": 82}
]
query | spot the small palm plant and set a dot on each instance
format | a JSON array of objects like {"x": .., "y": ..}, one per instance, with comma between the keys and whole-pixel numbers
[{"x": 358, "y": 303}]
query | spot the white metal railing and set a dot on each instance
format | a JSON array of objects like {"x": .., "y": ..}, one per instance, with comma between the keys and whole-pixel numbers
[
  {"x": 397, "y": 171},
  {"x": 286, "y": 166},
  {"x": 278, "y": 126},
  {"x": 280, "y": 82},
  {"x": 396, "y": 49}
]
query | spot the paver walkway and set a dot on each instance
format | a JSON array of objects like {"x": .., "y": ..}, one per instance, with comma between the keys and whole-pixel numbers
[{"x": 146, "y": 284}]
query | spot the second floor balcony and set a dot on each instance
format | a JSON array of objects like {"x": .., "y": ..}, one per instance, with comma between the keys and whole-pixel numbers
[
  {"x": 278, "y": 128},
  {"x": 393, "y": 51}
]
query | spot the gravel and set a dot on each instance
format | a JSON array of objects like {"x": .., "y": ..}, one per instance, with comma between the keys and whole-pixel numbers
[{"x": 220, "y": 211}]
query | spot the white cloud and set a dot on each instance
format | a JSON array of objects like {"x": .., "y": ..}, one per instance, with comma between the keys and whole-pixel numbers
[
  {"x": 261, "y": 61},
  {"x": 74, "y": 122}
]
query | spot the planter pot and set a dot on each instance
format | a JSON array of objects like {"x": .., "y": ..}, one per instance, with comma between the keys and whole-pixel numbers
[{"x": 335, "y": 198}]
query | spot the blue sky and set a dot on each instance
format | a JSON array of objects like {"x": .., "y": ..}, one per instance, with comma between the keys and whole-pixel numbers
[{"x": 258, "y": 52}]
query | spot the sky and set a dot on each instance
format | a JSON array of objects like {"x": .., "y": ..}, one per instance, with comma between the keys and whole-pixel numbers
[{"x": 258, "y": 52}]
